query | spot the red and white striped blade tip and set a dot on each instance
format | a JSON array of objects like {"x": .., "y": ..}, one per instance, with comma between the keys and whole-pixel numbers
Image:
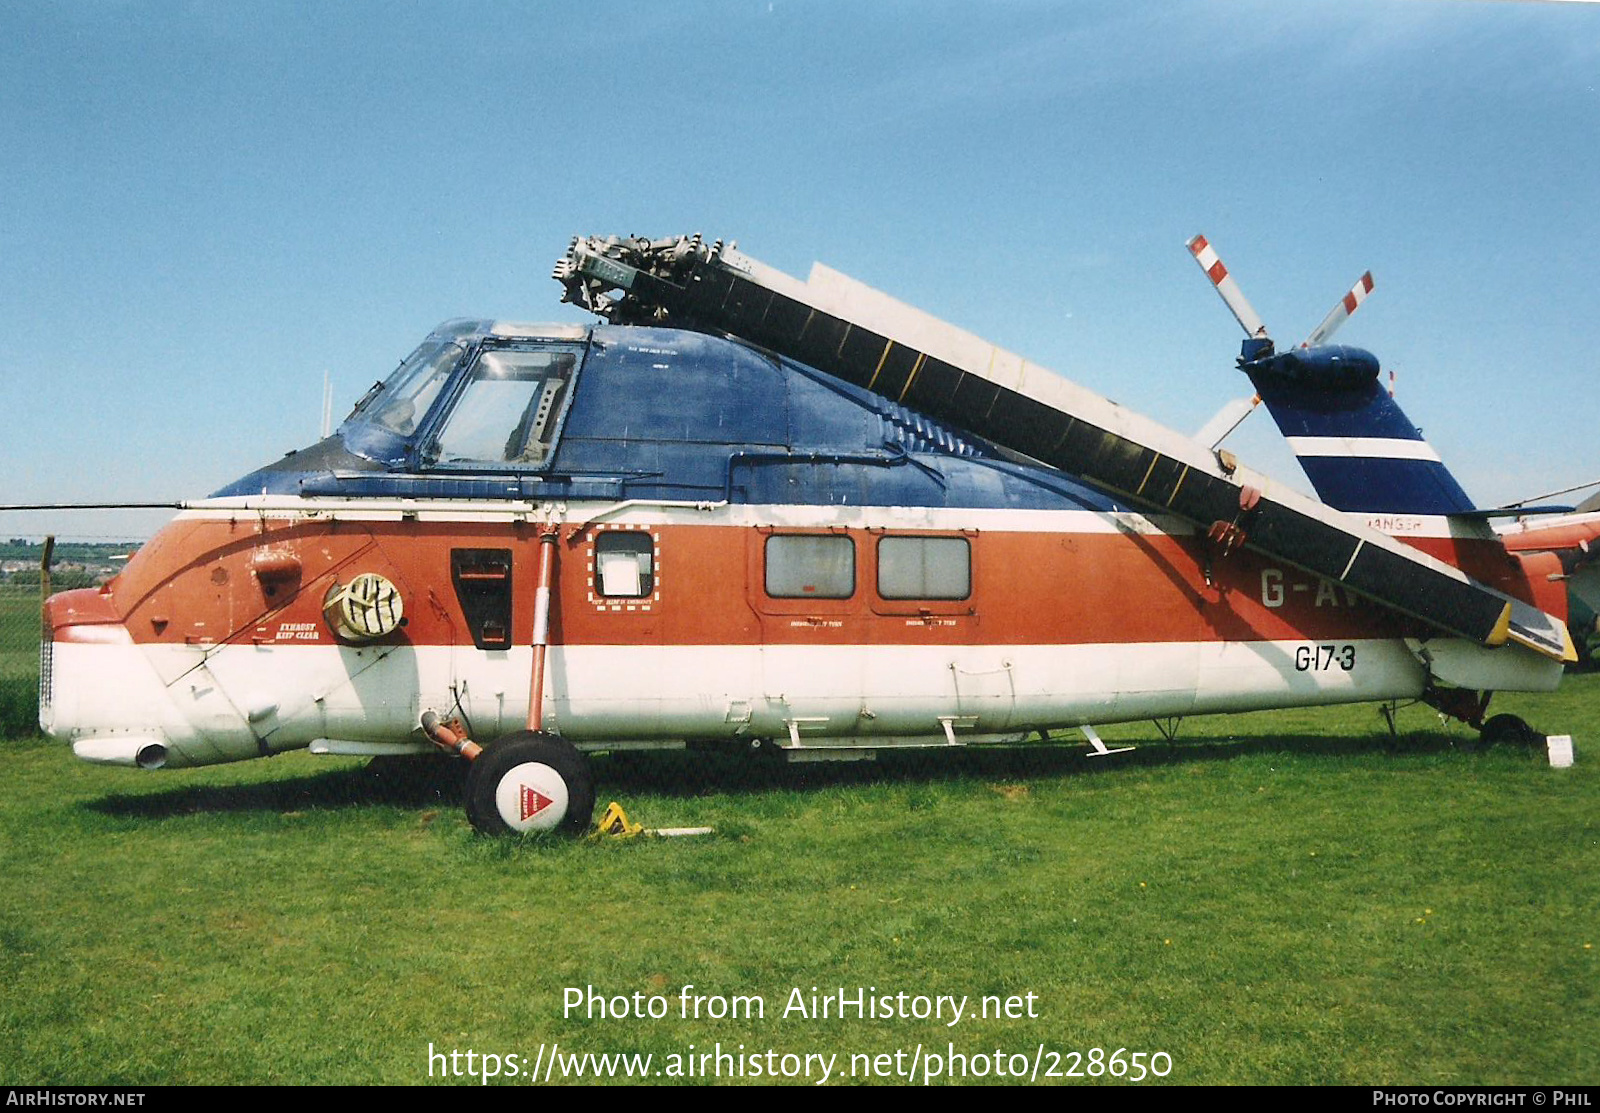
[
  {"x": 1340, "y": 313},
  {"x": 1226, "y": 287}
]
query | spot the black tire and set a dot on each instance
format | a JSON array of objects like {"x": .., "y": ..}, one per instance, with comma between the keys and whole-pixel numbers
[
  {"x": 529, "y": 782},
  {"x": 1508, "y": 729}
]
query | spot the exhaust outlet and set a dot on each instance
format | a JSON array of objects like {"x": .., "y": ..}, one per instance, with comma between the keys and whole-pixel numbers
[{"x": 153, "y": 756}]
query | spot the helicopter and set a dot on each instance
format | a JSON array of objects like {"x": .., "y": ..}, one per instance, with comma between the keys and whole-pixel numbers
[
  {"x": 745, "y": 509},
  {"x": 1574, "y": 539}
]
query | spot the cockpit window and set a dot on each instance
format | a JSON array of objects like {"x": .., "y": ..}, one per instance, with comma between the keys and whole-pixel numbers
[
  {"x": 406, "y": 395},
  {"x": 508, "y": 409}
]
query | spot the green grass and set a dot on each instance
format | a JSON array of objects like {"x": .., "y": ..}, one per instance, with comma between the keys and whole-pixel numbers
[
  {"x": 19, "y": 659},
  {"x": 19, "y": 630},
  {"x": 1277, "y": 898}
]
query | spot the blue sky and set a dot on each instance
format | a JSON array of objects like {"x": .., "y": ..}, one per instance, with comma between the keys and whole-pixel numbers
[{"x": 206, "y": 206}]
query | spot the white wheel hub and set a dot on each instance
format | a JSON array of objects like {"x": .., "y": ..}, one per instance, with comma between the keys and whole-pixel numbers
[{"x": 531, "y": 797}]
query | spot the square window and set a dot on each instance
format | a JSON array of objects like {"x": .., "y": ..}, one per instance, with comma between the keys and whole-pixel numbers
[
  {"x": 624, "y": 564},
  {"x": 811, "y": 566},
  {"x": 924, "y": 568}
]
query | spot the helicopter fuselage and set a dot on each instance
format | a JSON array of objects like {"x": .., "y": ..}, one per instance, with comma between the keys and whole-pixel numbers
[{"x": 738, "y": 547}]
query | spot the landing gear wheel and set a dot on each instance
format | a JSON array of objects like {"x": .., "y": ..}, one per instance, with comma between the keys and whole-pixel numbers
[
  {"x": 1509, "y": 729},
  {"x": 529, "y": 782}
]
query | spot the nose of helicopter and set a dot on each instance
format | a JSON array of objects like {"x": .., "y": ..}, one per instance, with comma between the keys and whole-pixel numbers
[{"x": 104, "y": 693}]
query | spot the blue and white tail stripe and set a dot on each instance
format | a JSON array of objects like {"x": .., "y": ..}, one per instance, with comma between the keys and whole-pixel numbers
[
  {"x": 1387, "y": 448},
  {"x": 1361, "y": 453}
]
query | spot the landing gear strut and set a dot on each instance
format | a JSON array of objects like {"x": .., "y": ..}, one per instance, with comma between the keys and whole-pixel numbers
[
  {"x": 1469, "y": 707},
  {"x": 1458, "y": 703}
]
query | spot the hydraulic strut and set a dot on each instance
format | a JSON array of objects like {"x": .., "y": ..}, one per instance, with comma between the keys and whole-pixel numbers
[{"x": 548, "y": 535}]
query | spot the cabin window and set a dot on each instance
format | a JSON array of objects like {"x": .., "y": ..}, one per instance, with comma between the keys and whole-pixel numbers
[
  {"x": 924, "y": 568},
  {"x": 508, "y": 409},
  {"x": 407, "y": 394},
  {"x": 811, "y": 566},
  {"x": 624, "y": 564}
]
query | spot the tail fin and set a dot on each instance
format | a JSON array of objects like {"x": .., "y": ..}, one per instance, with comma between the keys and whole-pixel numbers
[
  {"x": 1360, "y": 452},
  {"x": 1363, "y": 456},
  {"x": 1358, "y": 449}
]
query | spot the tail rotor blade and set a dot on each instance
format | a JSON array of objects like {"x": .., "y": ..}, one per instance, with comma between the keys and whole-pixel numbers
[
  {"x": 1340, "y": 313},
  {"x": 1206, "y": 256},
  {"x": 1226, "y": 420}
]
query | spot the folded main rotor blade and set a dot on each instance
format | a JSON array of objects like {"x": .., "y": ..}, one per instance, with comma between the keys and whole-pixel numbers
[{"x": 868, "y": 338}]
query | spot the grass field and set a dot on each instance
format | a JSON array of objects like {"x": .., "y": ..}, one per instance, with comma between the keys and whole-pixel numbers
[
  {"x": 19, "y": 630},
  {"x": 19, "y": 659},
  {"x": 1280, "y": 898}
]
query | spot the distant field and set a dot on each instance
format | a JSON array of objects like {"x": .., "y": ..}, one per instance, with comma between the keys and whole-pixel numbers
[
  {"x": 19, "y": 630},
  {"x": 1282, "y": 898},
  {"x": 19, "y": 659}
]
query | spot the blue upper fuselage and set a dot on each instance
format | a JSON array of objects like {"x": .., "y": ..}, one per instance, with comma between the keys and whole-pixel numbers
[{"x": 555, "y": 413}]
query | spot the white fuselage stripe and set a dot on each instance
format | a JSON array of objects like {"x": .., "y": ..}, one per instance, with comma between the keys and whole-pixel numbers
[
  {"x": 642, "y": 512},
  {"x": 244, "y": 700},
  {"x": 1430, "y": 526}
]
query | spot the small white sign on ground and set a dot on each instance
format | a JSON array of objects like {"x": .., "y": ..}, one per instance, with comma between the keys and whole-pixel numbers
[{"x": 1560, "y": 746}]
